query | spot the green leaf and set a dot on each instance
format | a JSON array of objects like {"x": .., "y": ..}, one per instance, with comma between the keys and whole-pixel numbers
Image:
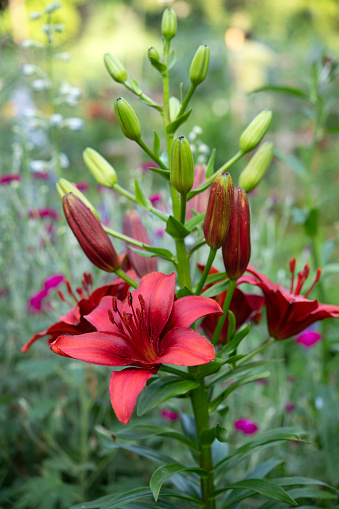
[
  {"x": 214, "y": 278},
  {"x": 210, "y": 368},
  {"x": 290, "y": 481},
  {"x": 215, "y": 289},
  {"x": 263, "y": 487},
  {"x": 184, "y": 292},
  {"x": 210, "y": 164},
  {"x": 293, "y": 162},
  {"x": 173, "y": 126},
  {"x": 217, "y": 433},
  {"x": 171, "y": 60},
  {"x": 236, "y": 373},
  {"x": 159, "y": 66},
  {"x": 313, "y": 493},
  {"x": 195, "y": 221},
  {"x": 285, "y": 90},
  {"x": 133, "y": 85},
  {"x": 176, "y": 229},
  {"x": 141, "y": 198},
  {"x": 230, "y": 347},
  {"x": 159, "y": 251},
  {"x": 311, "y": 223},
  {"x": 141, "y": 252},
  {"x": 161, "y": 390},
  {"x": 165, "y": 472},
  {"x": 156, "y": 143},
  {"x": 231, "y": 326},
  {"x": 145, "y": 452},
  {"x": 164, "y": 173}
]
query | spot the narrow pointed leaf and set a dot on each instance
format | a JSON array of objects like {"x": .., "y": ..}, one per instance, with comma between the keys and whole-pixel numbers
[
  {"x": 210, "y": 164},
  {"x": 215, "y": 289},
  {"x": 164, "y": 173},
  {"x": 173, "y": 126},
  {"x": 165, "y": 472},
  {"x": 141, "y": 198},
  {"x": 195, "y": 221},
  {"x": 156, "y": 143},
  {"x": 290, "y": 481},
  {"x": 176, "y": 229},
  {"x": 285, "y": 90},
  {"x": 235, "y": 341},
  {"x": 161, "y": 390},
  {"x": 184, "y": 292},
  {"x": 133, "y": 85},
  {"x": 263, "y": 487},
  {"x": 159, "y": 251},
  {"x": 171, "y": 60}
]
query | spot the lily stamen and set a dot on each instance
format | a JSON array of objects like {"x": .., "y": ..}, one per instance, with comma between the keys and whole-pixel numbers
[{"x": 317, "y": 277}]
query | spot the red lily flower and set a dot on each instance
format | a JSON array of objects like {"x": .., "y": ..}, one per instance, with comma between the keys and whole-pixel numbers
[
  {"x": 288, "y": 312},
  {"x": 245, "y": 307},
  {"x": 73, "y": 322},
  {"x": 149, "y": 329}
]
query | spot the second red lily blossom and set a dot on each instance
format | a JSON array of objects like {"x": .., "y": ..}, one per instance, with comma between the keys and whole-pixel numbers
[
  {"x": 149, "y": 329},
  {"x": 288, "y": 312}
]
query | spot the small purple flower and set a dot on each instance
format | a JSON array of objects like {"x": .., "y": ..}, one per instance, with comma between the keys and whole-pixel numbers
[
  {"x": 53, "y": 281},
  {"x": 246, "y": 426},
  {"x": 155, "y": 198},
  {"x": 146, "y": 165},
  {"x": 169, "y": 415},
  {"x": 82, "y": 186},
  {"x": 9, "y": 177},
  {"x": 308, "y": 338},
  {"x": 289, "y": 407},
  {"x": 36, "y": 300},
  {"x": 160, "y": 232},
  {"x": 41, "y": 175},
  {"x": 46, "y": 212}
]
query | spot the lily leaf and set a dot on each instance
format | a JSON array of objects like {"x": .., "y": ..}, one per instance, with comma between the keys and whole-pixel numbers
[
  {"x": 165, "y": 472},
  {"x": 156, "y": 143},
  {"x": 159, "y": 251},
  {"x": 173, "y": 126},
  {"x": 164, "y": 173},
  {"x": 195, "y": 221},
  {"x": 210, "y": 164},
  {"x": 141, "y": 198},
  {"x": 285, "y": 90},
  {"x": 176, "y": 229}
]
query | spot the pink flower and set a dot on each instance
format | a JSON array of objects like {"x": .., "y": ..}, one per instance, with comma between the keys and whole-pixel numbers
[
  {"x": 149, "y": 329},
  {"x": 246, "y": 426},
  {"x": 148, "y": 164},
  {"x": 82, "y": 186},
  {"x": 160, "y": 232},
  {"x": 9, "y": 177},
  {"x": 41, "y": 175},
  {"x": 308, "y": 338},
  {"x": 169, "y": 415},
  {"x": 53, "y": 281},
  {"x": 290, "y": 407},
  {"x": 46, "y": 212},
  {"x": 155, "y": 198},
  {"x": 36, "y": 300}
]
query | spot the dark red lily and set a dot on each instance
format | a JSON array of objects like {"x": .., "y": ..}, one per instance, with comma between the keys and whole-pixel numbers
[
  {"x": 149, "y": 329},
  {"x": 245, "y": 307},
  {"x": 73, "y": 322},
  {"x": 288, "y": 312}
]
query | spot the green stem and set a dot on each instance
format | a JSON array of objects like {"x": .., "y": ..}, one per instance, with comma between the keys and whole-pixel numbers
[
  {"x": 183, "y": 202},
  {"x": 208, "y": 265},
  {"x": 125, "y": 277},
  {"x": 211, "y": 179},
  {"x": 123, "y": 237},
  {"x": 187, "y": 100},
  {"x": 183, "y": 266},
  {"x": 198, "y": 245},
  {"x": 148, "y": 151},
  {"x": 261, "y": 348},
  {"x": 199, "y": 400},
  {"x": 84, "y": 450},
  {"x": 131, "y": 197},
  {"x": 231, "y": 287}
]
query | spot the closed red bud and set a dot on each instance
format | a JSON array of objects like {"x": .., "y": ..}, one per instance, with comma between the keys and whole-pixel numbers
[
  {"x": 219, "y": 211},
  {"x": 133, "y": 227},
  {"x": 91, "y": 236},
  {"x": 236, "y": 250}
]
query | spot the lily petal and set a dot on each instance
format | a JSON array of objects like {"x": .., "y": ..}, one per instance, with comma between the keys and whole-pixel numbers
[
  {"x": 125, "y": 387},
  {"x": 185, "y": 347},
  {"x": 99, "y": 348},
  {"x": 189, "y": 309},
  {"x": 99, "y": 316}
]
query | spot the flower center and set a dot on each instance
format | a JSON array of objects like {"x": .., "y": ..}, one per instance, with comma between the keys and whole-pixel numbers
[
  {"x": 302, "y": 276},
  {"x": 134, "y": 327}
]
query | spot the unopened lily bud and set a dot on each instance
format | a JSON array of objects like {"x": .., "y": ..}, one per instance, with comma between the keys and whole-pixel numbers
[
  {"x": 101, "y": 170},
  {"x": 199, "y": 65},
  {"x": 115, "y": 68},
  {"x": 153, "y": 54},
  {"x": 64, "y": 187},
  {"x": 91, "y": 236},
  {"x": 236, "y": 250},
  {"x": 219, "y": 211},
  {"x": 168, "y": 24},
  {"x": 255, "y": 132},
  {"x": 127, "y": 119},
  {"x": 133, "y": 227},
  {"x": 182, "y": 165},
  {"x": 257, "y": 167}
]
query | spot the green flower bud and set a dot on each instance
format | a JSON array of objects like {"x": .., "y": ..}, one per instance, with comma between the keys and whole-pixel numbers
[
  {"x": 255, "y": 132},
  {"x": 127, "y": 119},
  {"x": 168, "y": 24},
  {"x": 115, "y": 68},
  {"x": 219, "y": 211},
  {"x": 236, "y": 251},
  {"x": 101, "y": 170},
  {"x": 182, "y": 165},
  {"x": 91, "y": 236},
  {"x": 153, "y": 54},
  {"x": 257, "y": 167},
  {"x": 199, "y": 65},
  {"x": 64, "y": 187}
]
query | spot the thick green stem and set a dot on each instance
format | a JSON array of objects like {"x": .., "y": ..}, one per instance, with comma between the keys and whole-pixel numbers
[
  {"x": 231, "y": 287},
  {"x": 131, "y": 197},
  {"x": 126, "y": 278},
  {"x": 183, "y": 202},
  {"x": 208, "y": 265},
  {"x": 200, "y": 408}
]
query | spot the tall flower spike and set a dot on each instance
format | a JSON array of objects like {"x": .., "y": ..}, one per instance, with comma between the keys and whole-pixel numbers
[
  {"x": 91, "y": 236},
  {"x": 236, "y": 250},
  {"x": 219, "y": 211}
]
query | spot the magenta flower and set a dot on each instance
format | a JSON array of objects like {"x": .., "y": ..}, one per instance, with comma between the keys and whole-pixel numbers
[
  {"x": 308, "y": 338},
  {"x": 41, "y": 175},
  {"x": 35, "y": 301},
  {"x": 246, "y": 426},
  {"x": 46, "y": 212},
  {"x": 7, "y": 178},
  {"x": 290, "y": 407},
  {"x": 169, "y": 415},
  {"x": 155, "y": 198},
  {"x": 149, "y": 329},
  {"x": 82, "y": 186},
  {"x": 53, "y": 281}
]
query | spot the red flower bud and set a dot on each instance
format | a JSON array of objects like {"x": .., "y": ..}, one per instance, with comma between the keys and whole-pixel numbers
[
  {"x": 133, "y": 227},
  {"x": 219, "y": 211},
  {"x": 236, "y": 250},
  {"x": 91, "y": 236}
]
